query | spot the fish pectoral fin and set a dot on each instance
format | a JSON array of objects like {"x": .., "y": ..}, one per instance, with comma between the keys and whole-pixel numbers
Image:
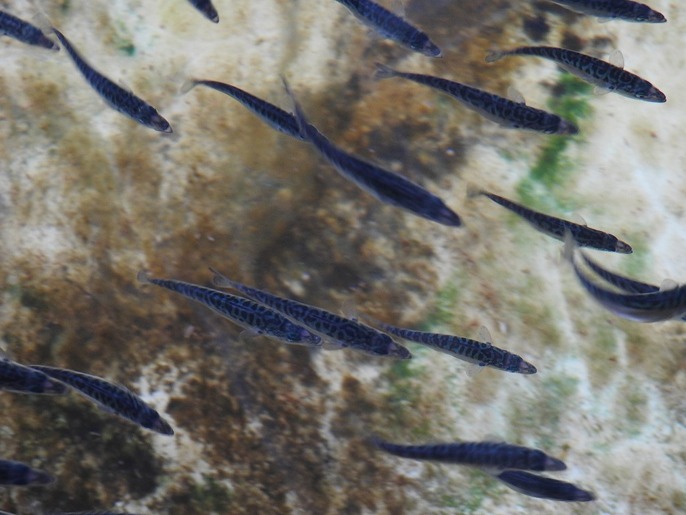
[
  {"x": 600, "y": 91},
  {"x": 616, "y": 58},
  {"x": 515, "y": 95},
  {"x": 474, "y": 369},
  {"x": 248, "y": 334},
  {"x": 604, "y": 19},
  {"x": 349, "y": 310},
  {"x": 329, "y": 345},
  {"x": 668, "y": 284},
  {"x": 484, "y": 335},
  {"x": 220, "y": 280}
]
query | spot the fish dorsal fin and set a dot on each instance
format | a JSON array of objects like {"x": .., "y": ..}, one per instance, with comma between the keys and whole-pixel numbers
[
  {"x": 617, "y": 58},
  {"x": 493, "y": 438},
  {"x": 484, "y": 335},
  {"x": 578, "y": 219},
  {"x": 398, "y": 8},
  {"x": 349, "y": 310},
  {"x": 668, "y": 284},
  {"x": 124, "y": 85},
  {"x": 515, "y": 95}
]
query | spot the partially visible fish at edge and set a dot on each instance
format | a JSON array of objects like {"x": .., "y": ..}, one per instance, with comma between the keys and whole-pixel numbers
[{"x": 24, "y": 31}]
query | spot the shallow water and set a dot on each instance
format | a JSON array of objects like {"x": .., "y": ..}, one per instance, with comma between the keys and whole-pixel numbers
[{"x": 88, "y": 198}]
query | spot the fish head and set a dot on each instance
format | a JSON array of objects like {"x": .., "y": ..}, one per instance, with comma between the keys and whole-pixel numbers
[
  {"x": 553, "y": 464},
  {"x": 566, "y": 128},
  {"x": 54, "y": 387},
  {"x": 38, "y": 477},
  {"x": 623, "y": 248},
  {"x": 302, "y": 336},
  {"x": 152, "y": 420},
  {"x": 211, "y": 13},
  {"x": 150, "y": 117},
  {"x": 428, "y": 49},
  {"x": 383, "y": 345},
  {"x": 646, "y": 14},
  {"x": 526, "y": 368},
  {"x": 446, "y": 216},
  {"x": 650, "y": 94}
]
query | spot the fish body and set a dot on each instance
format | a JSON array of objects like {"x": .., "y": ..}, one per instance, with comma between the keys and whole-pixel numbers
[
  {"x": 505, "y": 112},
  {"x": 207, "y": 9},
  {"x": 255, "y": 317},
  {"x": 275, "y": 117},
  {"x": 24, "y": 31},
  {"x": 385, "y": 185},
  {"x": 544, "y": 487},
  {"x": 472, "y": 351},
  {"x": 583, "y": 236},
  {"x": 614, "y": 9},
  {"x": 392, "y": 26},
  {"x": 111, "y": 397},
  {"x": 596, "y": 71},
  {"x": 115, "y": 96},
  {"x": 490, "y": 455},
  {"x": 21, "y": 379},
  {"x": 333, "y": 328},
  {"x": 13, "y": 473}
]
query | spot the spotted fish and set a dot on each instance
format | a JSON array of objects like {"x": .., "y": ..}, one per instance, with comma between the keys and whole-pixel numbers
[
  {"x": 20, "y": 379},
  {"x": 543, "y": 487},
  {"x": 335, "y": 329},
  {"x": 13, "y": 473},
  {"x": 385, "y": 185},
  {"x": 505, "y": 112},
  {"x": 273, "y": 116},
  {"x": 24, "y": 31},
  {"x": 614, "y": 10},
  {"x": 483, "y": 354},
  {"x": 115, "y": 96},
  {"x": 647, "y": 307},
  {"x": 584, "y": 236},
  {"x": 207, "y": 9},
  {"x": 599, "y": 73},
  {"x": 490, "y": 455},
  {"x": 254, "y": 317},
  {"x": 113, "y": 398},
  {"x": 392, "y": 26}
]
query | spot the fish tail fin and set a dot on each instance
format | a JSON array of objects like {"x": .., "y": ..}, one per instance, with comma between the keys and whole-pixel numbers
[
  {"x": 494, "y": 55},
  {"x": 41, "y": 20},
  {"x": 473, "y": 191},
  {"x": 299, "y": 114},
  {"x": 382, "y": 71},
  {"x": 187, "y": 85},
  {"x": 220, "y": 280},
  {"x": 143, "y": 277}
]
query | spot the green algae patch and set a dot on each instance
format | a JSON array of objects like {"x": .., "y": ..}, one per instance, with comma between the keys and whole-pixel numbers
[
  {"x": 210, "y": 496},
  {"x": 632, "y": 410},
  {"x": 601, "y": 351}
]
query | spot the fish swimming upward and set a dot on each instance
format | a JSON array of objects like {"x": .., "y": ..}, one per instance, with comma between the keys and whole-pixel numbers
[
  {"x": 207, "y": 9},
  {"x": 20, "y": 379},
  {"x": 609, "y": 76},
  {"x": 273, "y": 116},
  {"x": 490, "y": 455},
  {"x": 583, "y": 236},
  {"x": 483, "y": 354},
  {"x": 335, "y": 329},
  {"x": 25, "y": 32},
  {"x": 385, "y": 185},
  {"x": 647, "y": 307},
  {"x": 110, "y": 397},
  {"x": 614, "y": 10},
  {"x": 544, "y": 487},
  {"x": 255, "y": 318},
  {"x": 507, "y": 113},
  {"x": 392, "y": 26},
  {"x": 13, "y": 473},
  {"x": 115, "y": 96}
]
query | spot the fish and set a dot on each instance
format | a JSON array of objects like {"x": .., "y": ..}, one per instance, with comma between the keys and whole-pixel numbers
[
  {"x": 21, "y": 379},
  {"x": 483, "y": 354},
  {"x": 543, "y": 487},
  {"x": 488, "y": 455},
  {"x": 614, "y": 10},
  {"x": 272, "y": 115},
  {"x": 24, "y": 31},
  {"x": 14, "y": 473},
  {"x": 392, "y": 26},
  {"x": 583, "y": 235},
  {"x": 604, "y": 75},
  {"x": 333, "y": 328},
  {"x": 647, "y": 307},
  {"x": 110, "y": 397},
  {"x": 207, "y": 9},
  {"x": 254, "y": 317},
  {"x": 507, "y": 113},
  {"x": 115, "y": 96},
  {"x": 387, "y": 186}
]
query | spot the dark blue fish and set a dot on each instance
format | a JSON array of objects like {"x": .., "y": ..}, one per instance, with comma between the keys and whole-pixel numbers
[
  {"x": 275, "y": 117},
  {"x": 599, "y": 73},
  {"x": 333, "y": 328},
  {"x": 505, "y": 112},
  {"x": 91, "y": 512},
  {"x": 207, "y": 9},
  {"x": 115, "y": 96},
  {"x": 544, "y": 487},
  {"x": 647, "y": 307},
  {"x": 13, "y": 473},
  {"x": 385, "y": 185},
  {"x": 254, "y": 317},
  {"x": 614, "y": 9},
  {"x": 483, "y": 354},
  {"x": 110, "y": 397},
  {"x": 18, "y": 378},
  {"x": 489, "y": 455},
  {"x": 25, "y": 32},
  {"x": 583, "y": 235},
  {"x": 392, "y": 26}
]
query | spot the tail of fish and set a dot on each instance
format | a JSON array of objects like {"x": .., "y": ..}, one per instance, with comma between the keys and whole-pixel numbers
[
  {"x": 221, "y": 281},
  {"x": 143, "y": 277},
  {"x": 383, "y": 72},
  {"x": 187, "y": 85},
  {"x": 494, "y": 55},
  {"x": 473, "y": 191}
]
